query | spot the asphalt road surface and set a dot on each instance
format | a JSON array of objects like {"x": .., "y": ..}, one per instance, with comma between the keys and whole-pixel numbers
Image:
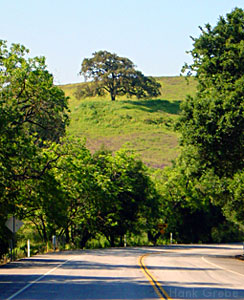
[{"x": 173, "y": 272}]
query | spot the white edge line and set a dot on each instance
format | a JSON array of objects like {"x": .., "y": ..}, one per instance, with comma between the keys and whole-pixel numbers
[
  {"x": 38, "y": 279},
  {"x": 237, "y": 273}
]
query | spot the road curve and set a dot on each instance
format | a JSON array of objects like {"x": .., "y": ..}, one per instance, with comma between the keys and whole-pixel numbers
[
  {"x": 172, "y": 272},
  {"x": 198, "y": 272}
]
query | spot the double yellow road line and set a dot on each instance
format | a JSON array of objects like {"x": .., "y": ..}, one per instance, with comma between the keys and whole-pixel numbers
[{"x": 157, "y": 287}]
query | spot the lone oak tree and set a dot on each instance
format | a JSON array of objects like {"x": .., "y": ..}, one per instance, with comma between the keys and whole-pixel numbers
[{"x": 116, "y": 75}]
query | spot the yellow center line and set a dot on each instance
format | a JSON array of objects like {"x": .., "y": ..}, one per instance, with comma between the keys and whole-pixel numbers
[{"x": 162, "y": 294}]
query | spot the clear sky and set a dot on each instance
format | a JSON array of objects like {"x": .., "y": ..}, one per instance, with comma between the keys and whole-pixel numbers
[{"x": 154, "y": 34}]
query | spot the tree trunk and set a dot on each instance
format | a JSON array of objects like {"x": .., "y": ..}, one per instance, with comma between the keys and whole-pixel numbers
[
  {"x": 85, "y": 236},
  {"x": 44, "y": 231},
  {"x": 112, "y": 94},
  {"x": 67, "y": 239},
  {"x": 121, "y": 240},
  {"x": 112, "y": 241},
  {"x": 153, "y": 237},
  {"x": 72, "y": 233}
]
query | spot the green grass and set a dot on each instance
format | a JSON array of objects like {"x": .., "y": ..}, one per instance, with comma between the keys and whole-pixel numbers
[
  {"x": 176, "y": 87},
  {"x": 144, "y": 126}
]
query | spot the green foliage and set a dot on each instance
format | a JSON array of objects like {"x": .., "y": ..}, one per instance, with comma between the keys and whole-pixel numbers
[
  {"x": 215, "y": 127},
  {"x": 28, "y": 94},
  {"x": 85, "y": 196},
  {"x": 218, "y": 55},
  {"x": 203, "y": 191},
  {"x": 104, "y": 194},
  {"x": 129, "y": 198},
  {"x": 116, "y": 76},
  {"x": 58, "y": 185},
  {"x": 33, "y": 114},
  {"x": 234, "y": 205},
  {"x": 188, "y": 209},
  {"x": 75, "y": 174},
  {"x": 212, "y": 122},
  {"x": 90, "y": 198}
]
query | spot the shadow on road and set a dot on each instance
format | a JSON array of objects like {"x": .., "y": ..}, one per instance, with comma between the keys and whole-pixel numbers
[
  {"x": 92, "y": 287},
  {"x": 86, "y": 265},
  {"x": 51, "y": 260},
  {"x": 76, "y": 287}
]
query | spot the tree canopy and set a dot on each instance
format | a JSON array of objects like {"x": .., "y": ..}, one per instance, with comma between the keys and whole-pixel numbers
[
  {"x": 218, "y": 55},
  {"x": 107, "y": 72},
  {"x": 212, "y": 122},
  {"x": 33, "y": 115}
]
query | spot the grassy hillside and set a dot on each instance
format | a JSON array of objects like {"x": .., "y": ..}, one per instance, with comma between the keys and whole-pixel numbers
[{"x": 145, "y": 126}]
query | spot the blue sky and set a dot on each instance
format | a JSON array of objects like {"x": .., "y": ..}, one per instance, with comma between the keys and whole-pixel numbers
[{"x": 154, "y": 34}]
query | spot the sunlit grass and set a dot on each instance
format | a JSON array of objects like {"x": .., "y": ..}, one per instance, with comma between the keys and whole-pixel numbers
[{"x": 144, "y": 126}]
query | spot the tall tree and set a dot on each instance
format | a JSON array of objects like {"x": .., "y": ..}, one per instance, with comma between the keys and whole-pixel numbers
[
  {"x": 33, "y": 111},
  {"x": 218, "y": 55},
  {"x": 28, "y": 92},
  {"x": 33, "y": 114},
  {"x": 115, "y": 75},
  {"x": 213, "y": 121}
]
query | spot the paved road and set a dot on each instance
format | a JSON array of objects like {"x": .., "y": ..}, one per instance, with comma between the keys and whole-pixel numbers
[{"x": 177, "y": 272}]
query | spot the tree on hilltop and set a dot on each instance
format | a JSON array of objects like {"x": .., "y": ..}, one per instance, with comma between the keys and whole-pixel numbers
[{"x": 107, "y": 72}]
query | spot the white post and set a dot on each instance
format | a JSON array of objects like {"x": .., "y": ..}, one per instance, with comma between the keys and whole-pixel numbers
[
  {"x": 54, "y": 242},
  {"x": 171, "y": 238},
  {"x": 28, "y": 248}
]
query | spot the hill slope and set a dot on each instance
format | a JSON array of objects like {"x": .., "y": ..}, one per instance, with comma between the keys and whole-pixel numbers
[{"x": 145, "y": 126}]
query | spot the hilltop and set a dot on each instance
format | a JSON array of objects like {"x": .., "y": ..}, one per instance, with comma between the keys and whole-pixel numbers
[{"x": 145, "y": 126}]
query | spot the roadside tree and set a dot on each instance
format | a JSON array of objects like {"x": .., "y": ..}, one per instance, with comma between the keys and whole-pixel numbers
[
  {"x": 212, "y": 122},
  {"x": 129, "y": 201},
  {"x": 33, "y": 115}
]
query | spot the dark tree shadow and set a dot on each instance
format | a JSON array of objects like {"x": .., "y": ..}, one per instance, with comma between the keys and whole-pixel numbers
[
  {"x": 155, "y": 105},
  {"x": 104, "y": 288},
  {"x": 75, "y": 287}
]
